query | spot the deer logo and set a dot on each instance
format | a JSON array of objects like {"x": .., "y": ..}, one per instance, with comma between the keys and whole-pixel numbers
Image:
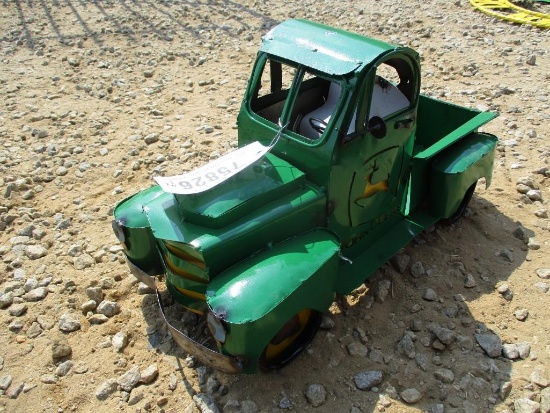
[{"x": 372, "y": 189}]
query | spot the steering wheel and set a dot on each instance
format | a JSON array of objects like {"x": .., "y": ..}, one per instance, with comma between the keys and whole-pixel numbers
[{"x": 318, "y": 125}]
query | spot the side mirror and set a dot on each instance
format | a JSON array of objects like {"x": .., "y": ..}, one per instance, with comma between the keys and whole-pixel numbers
[{"x": 377, "y": 127}]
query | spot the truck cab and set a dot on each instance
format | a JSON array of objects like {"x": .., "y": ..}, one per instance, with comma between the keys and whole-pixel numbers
[{"x": 361, "y": 163}]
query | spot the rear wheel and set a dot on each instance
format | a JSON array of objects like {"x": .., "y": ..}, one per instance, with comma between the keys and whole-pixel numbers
[
  {"x": 459, "y": 213},
  {"x": 291, "y": 340}
]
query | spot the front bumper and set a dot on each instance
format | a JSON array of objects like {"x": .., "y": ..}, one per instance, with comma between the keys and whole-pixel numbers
[{"x": 218, "y": 361}]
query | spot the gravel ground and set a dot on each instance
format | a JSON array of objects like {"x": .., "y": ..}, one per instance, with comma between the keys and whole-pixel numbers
[{"x": 100, "y": 96}]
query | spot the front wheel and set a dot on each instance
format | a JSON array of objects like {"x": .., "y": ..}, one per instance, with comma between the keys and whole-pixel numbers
[{"x": 291, "y": 340}]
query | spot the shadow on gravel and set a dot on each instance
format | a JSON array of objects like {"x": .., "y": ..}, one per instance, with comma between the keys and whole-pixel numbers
[
  {"x": 70, "y": 20},
  {"x": 416, "y": 320}
]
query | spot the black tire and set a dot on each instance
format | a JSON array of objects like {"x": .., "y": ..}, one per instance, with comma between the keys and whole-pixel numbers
[
  {"x": 298, "y": 333},
  {"x": 459, "y": 213}
]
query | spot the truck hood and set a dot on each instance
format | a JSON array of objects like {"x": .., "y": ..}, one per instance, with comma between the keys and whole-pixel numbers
[{"x": 258, "y": 184}]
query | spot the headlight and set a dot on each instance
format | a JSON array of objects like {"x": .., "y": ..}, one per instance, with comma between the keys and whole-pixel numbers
[
  {"x": 216, "y": 327},
  {"x": 118, "y": 230}
]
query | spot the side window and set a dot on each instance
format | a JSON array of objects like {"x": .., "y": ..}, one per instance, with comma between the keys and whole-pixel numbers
[
  {"x": 392, "y": 89},
  {"x": 272, "y": 89}
]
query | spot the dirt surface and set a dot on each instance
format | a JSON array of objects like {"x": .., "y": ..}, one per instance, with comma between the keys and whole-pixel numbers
[{"x": 98, "y": 97}]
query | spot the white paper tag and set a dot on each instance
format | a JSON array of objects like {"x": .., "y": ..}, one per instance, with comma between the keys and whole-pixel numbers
[{"x": 213, "y": 173}]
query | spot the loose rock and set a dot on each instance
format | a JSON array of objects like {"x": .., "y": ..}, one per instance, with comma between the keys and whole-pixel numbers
[
  {"x": 444, "y": 375},
  {"x": 526, "y": 406},
  {"x": 106, "y": 389},
  {"x": 150, "y": 374},
  {"x": 367, "y": 379},
  {"x": 411, "y": 396},
  {"x": 315, "y": 394},
  {"x": 69, "y": 323},
  {"x": 108, "y": 308},
  {"x": 490, "y": 343},
  {"x": 129, "y": 379},
  {"x": 205, "y": 403}
]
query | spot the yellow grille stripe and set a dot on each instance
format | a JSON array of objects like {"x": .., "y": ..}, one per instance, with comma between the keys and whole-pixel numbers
[
  {"x": 178, "y": 271},
  {"x": 184, "y": 256}
]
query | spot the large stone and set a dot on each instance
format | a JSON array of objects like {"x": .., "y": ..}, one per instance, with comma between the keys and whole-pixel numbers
[
  {"x": 17, "y": 310},
  {"x": 120, "y": 341},
  {"x": 444, "y": 375},
  {"x": 429, "y": 295},
  {"x": 48, "y": 378},
  {"x": 248, "y": 406},
  {"x": 36, "y": 294},
  {"x": 417, "y": 269},
  {"x": 490, "y": 343},
  {"x": 526, "y": 406},
  {"x": 315, "y": 394},
  {"x": 443, "y": 334},
  {"x": 6, "y": 299},
  {"x": 400, "y": 261},
  {"x": 129, "y": 379},
  {"x": 367, "y": 379},
  {"x": 524, "y": 349},
  {"x": 510, "y": 351},
  {"x": 205, "y": 403},
  {"x": 106, "y": 389},
  {"x": 356, "y": 349},
  {"x": 539, "y": 379},
  {"x": 411, "y": 396},
  {"x": 5, "y": 382},
  {"x": 69, "y": 323},
  {"x": 83, "y": 261},
  {"x": 545, "y": 400},
  {"x": 383, "y": 290},
  {"x": 108, "y": 308},
  {"x": 34, "y": 330},
  {"x": 405, "y": 346},
  {"x": 149, "y": 374},
  {"x": 544, "y": 273},
  {"x": 35, "y": 252},
  {"x": 15, "y": 390},
  {"x": 60, "y": 349},
  {"x": 64, "y": 368},
  {"x": 95, "y": 293}
]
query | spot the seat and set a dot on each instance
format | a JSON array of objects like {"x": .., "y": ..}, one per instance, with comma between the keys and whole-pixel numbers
[
  {"x": 323, "y": 112},
  {"x": 386, "y": 99}
]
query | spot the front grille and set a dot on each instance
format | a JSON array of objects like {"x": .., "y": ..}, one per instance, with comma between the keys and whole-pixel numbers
[{"x": 186, "y": 275}]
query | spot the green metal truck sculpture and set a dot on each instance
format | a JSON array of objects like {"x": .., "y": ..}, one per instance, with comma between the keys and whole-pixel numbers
[{"x": 260, "y": 240}]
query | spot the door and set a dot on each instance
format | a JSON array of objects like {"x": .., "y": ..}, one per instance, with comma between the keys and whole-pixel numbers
[{"x": 380, "y": 165}]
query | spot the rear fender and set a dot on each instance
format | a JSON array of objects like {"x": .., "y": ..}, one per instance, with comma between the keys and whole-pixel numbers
[
  {"x": 256, "y": 297},
  {"x": 456, "y": 169}
]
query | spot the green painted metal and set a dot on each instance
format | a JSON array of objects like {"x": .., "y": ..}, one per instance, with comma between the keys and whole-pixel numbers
[
  {"x": 133, "y": 225},
  {"x": 236, "y": 198},
  {"x": 389, "y": 238},
  {"x": 323, "y": 48},
  {"x": 264, "y": 245},
  {"x": 257, "y": 296},
  {"x": 458, "y": 168},
  {"x": 440, "y": 125}
]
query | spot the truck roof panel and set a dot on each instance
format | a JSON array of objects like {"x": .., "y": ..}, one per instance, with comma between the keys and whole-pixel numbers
[{"x": 329, "y": 50}]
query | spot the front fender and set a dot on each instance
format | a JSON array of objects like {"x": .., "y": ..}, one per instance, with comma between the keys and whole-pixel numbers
[{"x": 257, "y": 296}]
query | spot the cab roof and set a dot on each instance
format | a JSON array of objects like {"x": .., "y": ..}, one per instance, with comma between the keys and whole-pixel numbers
[{"x": 329, "y": 50}]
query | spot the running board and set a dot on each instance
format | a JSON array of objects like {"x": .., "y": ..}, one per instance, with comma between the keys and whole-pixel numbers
[{"x": 351, "y": 275}]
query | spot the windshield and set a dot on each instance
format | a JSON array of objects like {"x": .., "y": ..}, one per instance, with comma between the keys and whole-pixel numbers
[{"x": 297, "y": 96}]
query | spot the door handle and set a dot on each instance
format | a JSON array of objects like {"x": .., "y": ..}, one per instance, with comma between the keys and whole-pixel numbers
[{"x": 404, "y": 123}]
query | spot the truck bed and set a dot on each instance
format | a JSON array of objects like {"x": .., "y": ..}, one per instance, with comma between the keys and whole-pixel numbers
[{"x": 440, "y": 124}]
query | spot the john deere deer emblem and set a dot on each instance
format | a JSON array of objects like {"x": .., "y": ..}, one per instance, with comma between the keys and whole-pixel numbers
[{"x": 371, "y": 188}]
